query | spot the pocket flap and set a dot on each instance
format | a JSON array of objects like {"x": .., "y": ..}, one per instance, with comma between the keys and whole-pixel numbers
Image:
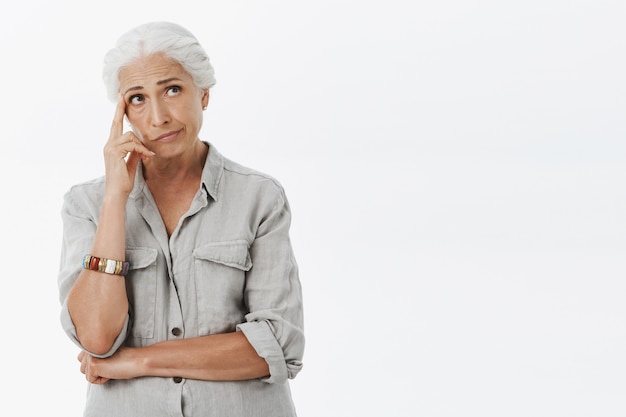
[
  {"x": 139, "y": 257},
  {"x": 232, "y": 253}
]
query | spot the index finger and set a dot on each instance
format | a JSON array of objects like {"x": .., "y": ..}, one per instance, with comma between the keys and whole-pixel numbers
[{"x": 117, "y": 126}]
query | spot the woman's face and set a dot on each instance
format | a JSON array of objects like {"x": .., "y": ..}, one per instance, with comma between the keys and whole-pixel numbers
[{"x": 163, "y": 104}]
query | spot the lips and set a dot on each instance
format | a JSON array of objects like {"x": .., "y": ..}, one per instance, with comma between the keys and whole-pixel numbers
[{"x": 167, "y": 137}]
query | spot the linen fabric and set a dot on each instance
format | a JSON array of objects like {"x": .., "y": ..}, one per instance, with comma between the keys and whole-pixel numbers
[{"x": 228, "y": 266}]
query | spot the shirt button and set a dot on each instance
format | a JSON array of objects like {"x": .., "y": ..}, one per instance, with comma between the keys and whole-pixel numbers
[
  {"x": 176, "y": 331},
  {"x": 177, "y": 380}
]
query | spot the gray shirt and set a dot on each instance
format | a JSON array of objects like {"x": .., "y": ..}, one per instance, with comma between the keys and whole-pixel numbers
[{"x": 228, "y": 266}]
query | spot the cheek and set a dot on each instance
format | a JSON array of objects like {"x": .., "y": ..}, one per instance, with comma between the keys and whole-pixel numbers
[
  {"x": 135, "y": 119},
  {"x": 136, "y": 131},
  {"x": 134, "y": 127},
  {"x": 191, "y": 114}
]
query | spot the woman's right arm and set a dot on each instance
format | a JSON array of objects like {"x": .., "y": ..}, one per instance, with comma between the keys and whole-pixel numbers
[{"x": 97, "y": 302}]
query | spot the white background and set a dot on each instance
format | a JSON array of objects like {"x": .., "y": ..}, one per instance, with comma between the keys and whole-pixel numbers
[{"x": 456, "y": 172}]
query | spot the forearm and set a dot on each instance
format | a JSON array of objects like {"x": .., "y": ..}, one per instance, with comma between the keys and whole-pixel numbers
[
  {"x": 220, "y": 357},
  {"x": 98, "y": 303}
]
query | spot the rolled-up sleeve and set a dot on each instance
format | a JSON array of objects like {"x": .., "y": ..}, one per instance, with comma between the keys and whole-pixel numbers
[{"x": 273, "y": 293}]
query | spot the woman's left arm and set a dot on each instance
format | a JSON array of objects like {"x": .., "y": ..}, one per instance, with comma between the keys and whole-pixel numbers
[{"x": 218, "y": 357}]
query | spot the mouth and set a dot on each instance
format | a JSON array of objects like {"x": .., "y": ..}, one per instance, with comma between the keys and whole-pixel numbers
[{"x": 167, "y": 137}]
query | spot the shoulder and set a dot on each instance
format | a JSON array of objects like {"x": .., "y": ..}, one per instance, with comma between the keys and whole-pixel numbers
[
  {"x": 260, "y": 193},
  {"x": 233, "y": 175},
  {"x": 89, "y": 187},
  {"x": 250, "y": 175},
  {"x": 86, "y": 194}
]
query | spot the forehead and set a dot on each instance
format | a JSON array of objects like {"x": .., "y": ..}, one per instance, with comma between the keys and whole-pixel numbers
[{"x": 147, "y": 71}]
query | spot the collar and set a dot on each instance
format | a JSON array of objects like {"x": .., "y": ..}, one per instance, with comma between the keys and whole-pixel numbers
[{"x": 211, "y": 174}]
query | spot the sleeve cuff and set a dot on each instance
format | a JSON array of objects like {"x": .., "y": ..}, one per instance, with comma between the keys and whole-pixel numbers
[{"x": 263, "y": 341}]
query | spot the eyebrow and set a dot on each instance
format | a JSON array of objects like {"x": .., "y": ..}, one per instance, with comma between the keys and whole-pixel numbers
[{"x": 139, "y": 87}]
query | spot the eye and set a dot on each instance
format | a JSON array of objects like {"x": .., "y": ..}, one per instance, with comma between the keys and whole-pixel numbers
[
  {"x": 172, "y": 91},
  {"x": 136, "y": 99}
]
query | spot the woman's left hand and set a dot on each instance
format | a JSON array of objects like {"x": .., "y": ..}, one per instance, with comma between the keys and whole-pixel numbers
[{"x": 101, "y": 370}]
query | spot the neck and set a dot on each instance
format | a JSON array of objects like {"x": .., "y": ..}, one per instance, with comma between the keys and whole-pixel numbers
[{"x": 182, "y": 168}]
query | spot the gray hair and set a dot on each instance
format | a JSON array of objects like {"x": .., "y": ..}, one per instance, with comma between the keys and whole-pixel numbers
[{"x": 170, "y": 39}]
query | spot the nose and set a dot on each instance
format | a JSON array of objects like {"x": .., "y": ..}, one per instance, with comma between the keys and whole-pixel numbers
[{"x": 159, "y": 113}]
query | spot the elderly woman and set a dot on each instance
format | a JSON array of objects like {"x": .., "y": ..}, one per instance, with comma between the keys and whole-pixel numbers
[{"x": 177, "y": 277}]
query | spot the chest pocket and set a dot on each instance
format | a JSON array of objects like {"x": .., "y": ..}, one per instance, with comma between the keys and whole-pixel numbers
[
  {"x": 141, "y": 286},
  {"x": 220, "y": 274}
]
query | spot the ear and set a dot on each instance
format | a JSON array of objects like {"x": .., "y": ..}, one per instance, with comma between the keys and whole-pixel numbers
[{"x": 205, "y": 99}]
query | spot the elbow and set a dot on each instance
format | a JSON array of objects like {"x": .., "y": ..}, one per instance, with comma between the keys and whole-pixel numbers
[
  {"x": 96, "y": 342},
  {"x": 98, "y": 335},
  {"x": 97, "y": 347},
  {"x": 93, "y": 331}
]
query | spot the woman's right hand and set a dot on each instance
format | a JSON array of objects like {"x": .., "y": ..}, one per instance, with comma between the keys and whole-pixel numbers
[{"x": 120, "y": 170}]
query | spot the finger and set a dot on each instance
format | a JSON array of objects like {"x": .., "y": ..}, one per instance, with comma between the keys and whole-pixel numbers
[
  {"x": 127, "y": 138},
  {"x": 134, "y": 144},
  {"x": 133, "y": 161},
  {"x": 83, "y": 367},
  {"x": 99, "y": 380},
  {"x": 88, "y": 370},
  {"x": 117, "y": 126}
]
